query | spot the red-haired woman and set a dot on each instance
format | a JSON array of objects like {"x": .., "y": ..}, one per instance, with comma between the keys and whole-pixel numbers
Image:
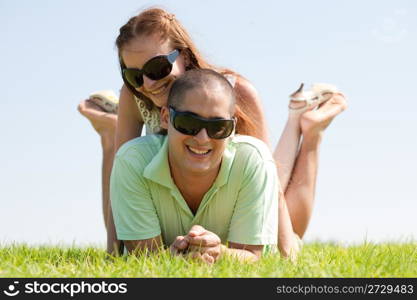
[{"x": 156, "y": 42}]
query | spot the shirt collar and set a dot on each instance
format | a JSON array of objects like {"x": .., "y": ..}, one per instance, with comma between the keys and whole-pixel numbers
[{"x": 158, "y": 169}]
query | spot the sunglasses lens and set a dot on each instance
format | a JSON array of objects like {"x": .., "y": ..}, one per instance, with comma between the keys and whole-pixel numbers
[
  {"x": 158, "y": 68},
  {"x": 186, "y": 124},
  {"x": 220, "y": 129},
  {"x": 133, "y": 77},
  {"x": 189, "y": 124}
]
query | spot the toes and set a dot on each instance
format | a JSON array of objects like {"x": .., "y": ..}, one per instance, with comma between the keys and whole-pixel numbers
[
  {"x": 89, "y": 109},
  {"x": 81, "y": 107}
]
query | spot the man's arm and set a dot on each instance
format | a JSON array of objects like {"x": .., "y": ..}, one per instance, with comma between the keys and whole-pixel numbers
[
  {"x": 139, "y": 246},
  {"x": 249, "y": 253},
  {"x": 135, "y": 217},
  {"x": 255, "y": 216},
  {"x": 206, "y": 245}
]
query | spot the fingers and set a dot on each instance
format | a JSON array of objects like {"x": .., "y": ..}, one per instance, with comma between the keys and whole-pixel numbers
[
  {"x": 206, "y": 240},
  {"x": 179, "y": 245},
  {"x": 212, "y": 251},
  {"x": 201, "y": 257},
  {"x": 207, "y": 258},
  {"x": 200, "y": 244},
  {"x": 194, "y": 255},
  {"x": 196, "y": 230},
  {"x": 199, "y": 236}
]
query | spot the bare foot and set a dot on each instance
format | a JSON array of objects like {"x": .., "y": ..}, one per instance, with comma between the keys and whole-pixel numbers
[
  {"x": 315, "y": 121},
  {"x": 103, "y": 122}
]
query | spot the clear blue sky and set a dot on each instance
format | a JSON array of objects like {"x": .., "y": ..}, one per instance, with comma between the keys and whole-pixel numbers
[{"x": 54, "y": 53}]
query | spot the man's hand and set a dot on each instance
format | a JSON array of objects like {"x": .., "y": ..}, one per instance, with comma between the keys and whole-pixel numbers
[
  {"x": 199, "y": 243},
  {"x": 203, "y": 244},
  {"x": 179, "y": 246}
]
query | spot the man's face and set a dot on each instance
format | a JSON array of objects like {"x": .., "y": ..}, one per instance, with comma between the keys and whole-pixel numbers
[{"x": 198, "y": 155}]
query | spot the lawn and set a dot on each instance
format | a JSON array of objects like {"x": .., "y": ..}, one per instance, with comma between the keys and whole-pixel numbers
[{"x": 316, "y": 260}]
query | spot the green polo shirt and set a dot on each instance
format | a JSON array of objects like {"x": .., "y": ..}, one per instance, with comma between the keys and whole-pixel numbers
[{"x": 241, "y": 206}]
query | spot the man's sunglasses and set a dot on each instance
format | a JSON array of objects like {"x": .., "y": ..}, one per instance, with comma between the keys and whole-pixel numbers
[
  {"x": 156, "y": 68},
  {"x": 191, "y": 124}
]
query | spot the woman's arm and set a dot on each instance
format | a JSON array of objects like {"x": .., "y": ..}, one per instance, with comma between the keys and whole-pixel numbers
[
  {"x": 251, "y": 103},
  {"x": 129, "y": 120},
  {"x": 129, "y": 126}
]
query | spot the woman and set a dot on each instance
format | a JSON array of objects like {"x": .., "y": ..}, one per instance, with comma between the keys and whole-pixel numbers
[{"x": 157, "y": 44}]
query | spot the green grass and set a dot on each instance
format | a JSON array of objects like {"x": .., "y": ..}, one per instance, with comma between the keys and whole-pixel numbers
[{"x": 316, "y": 260}]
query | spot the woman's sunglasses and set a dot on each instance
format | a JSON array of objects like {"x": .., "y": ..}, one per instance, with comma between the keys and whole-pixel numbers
[
  {"x": 191, "y": 124},
  {"x": 156, "y": 68}
]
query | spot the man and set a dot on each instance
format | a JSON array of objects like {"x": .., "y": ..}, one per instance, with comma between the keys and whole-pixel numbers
[{"x": 198, "y": 188}]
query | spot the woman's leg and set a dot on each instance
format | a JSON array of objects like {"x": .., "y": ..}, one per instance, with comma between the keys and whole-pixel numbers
[
  {"x": 299, "y": 183},
  {"x": 288, "y": 241},
  {"x": 287, "y": 149},
  {"x": 105, "y": 125}
]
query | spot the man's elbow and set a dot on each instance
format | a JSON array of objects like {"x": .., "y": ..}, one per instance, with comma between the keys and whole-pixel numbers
[{"x": 143, "y": 246}]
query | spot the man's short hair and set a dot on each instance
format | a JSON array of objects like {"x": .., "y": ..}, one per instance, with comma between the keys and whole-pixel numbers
[{"x": 200, "y": 78}]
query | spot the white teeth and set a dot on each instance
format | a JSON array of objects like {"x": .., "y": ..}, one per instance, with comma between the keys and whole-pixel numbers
[{"x": 196, "y": 151}]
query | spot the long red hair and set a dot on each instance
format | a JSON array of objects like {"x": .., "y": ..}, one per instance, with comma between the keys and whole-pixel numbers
[{"x": 157, "y": 20}]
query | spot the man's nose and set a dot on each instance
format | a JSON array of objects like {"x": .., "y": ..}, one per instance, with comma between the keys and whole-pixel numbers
[{"x": 202, "y": 137}]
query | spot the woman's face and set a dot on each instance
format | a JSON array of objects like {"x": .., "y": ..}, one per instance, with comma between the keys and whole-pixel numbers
[{"x": 139, "y": 51}]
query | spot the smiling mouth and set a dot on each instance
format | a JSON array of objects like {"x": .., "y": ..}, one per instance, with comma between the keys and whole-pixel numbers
[{"x": 198, "y": 152}]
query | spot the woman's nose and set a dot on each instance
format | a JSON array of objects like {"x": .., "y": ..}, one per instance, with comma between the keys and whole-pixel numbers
[{"x": 148, "y": 83}]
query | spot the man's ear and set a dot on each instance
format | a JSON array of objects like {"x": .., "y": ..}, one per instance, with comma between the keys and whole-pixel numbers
[{"x": 164, "y": 117}]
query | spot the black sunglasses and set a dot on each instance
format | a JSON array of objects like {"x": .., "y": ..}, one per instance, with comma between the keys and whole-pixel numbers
[
  {"x": 156, "y": 68},
  {"x": 191, "y": 124}
]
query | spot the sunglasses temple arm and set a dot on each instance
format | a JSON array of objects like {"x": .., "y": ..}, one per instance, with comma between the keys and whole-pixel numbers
[{"x": 173, "y": 56}]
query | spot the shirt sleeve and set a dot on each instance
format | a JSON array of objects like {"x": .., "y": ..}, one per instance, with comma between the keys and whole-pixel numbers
[
  {"x": 134, "y": 213},
  {"x": 255, "y": 217}
]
